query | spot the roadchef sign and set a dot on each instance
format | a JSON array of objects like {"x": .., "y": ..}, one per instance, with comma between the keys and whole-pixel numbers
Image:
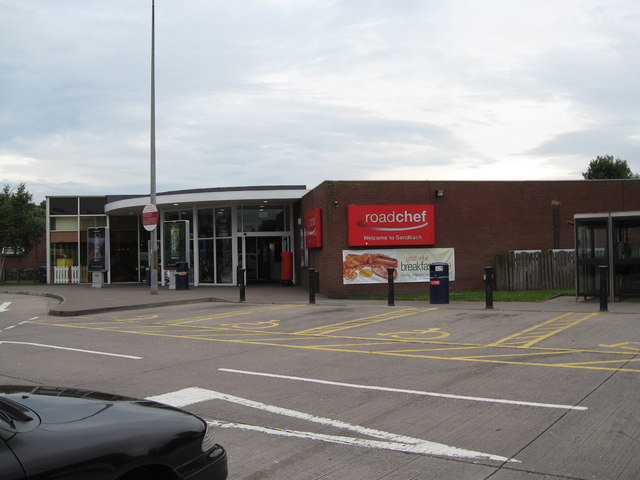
[
  {"x": 313, "y": 228},
  {"x": 378, "y": 225}
]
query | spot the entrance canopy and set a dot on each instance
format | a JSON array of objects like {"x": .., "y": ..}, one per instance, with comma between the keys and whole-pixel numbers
[{"x": 133, "y": 204}]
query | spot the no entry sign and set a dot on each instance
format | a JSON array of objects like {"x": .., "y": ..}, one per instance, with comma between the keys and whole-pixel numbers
[{"x": 150, "y": 217}]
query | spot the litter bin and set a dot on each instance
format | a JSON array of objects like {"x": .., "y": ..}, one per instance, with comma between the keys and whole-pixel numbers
[
  {"x": 182, "y": 276},
  {"x": 439, "y": 283},
  {"x": 43, "y": 274}
]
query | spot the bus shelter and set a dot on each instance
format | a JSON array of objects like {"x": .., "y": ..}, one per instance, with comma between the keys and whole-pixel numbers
[{"x": 609, "y": 240}]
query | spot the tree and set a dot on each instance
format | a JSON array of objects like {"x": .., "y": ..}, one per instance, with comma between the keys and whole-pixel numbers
[
  {"x": 606, "y": 167},
  {"x": 21, "y": 221}
]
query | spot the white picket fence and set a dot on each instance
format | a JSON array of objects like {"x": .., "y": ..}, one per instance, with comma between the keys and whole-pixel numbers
[{"x": 66, "y": 274}]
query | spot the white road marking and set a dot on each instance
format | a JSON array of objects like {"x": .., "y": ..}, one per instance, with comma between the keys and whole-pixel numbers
[
  {"x": 389, "y": 441},
  {"x": 413, "y": 392},
  {"x": 14, "y": 326},
  {"x": 4, "y": 307},
  {"x": 73, "y": 349}
]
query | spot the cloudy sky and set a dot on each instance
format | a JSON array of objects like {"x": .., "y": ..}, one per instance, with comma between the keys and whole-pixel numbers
[{"x": 267, "y": 92}]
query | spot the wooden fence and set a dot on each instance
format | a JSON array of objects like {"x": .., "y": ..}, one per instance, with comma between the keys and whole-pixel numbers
[
  {"x": 18, "y": 275},
  {"x": 536, "y": 270}
]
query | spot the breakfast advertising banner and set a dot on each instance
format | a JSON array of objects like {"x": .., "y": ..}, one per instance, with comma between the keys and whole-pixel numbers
[{"x": 410, "y": 264}]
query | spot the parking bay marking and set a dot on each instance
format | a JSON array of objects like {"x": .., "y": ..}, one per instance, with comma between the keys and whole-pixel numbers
[
  {"x": 542, "y": 331},
  {"x": 388, "y": 441},
  {"x": 220, "y": 334},
  {"x": 361, "y": 322},
  {"x": 402, "y": 390},
  {"x": 230, "y": 314}
]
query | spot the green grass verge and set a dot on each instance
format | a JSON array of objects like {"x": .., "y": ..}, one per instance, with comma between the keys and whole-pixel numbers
[{"x": 480, "y": 296}]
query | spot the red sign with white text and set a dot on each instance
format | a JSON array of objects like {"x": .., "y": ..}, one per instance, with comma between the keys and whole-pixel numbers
[
  {"x": 391, "y": 225},
  {"x": 313, "y": 228}
]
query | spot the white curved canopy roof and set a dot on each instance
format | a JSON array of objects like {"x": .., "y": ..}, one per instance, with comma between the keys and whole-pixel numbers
[{"x": 190, "y": 198}]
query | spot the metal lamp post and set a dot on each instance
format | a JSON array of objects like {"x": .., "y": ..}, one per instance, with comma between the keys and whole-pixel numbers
[{"x": 153, "y": 268}]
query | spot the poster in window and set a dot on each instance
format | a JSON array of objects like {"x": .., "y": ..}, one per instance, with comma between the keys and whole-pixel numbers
[
  {"x": 97, "y": 245},
  {"x": 175, "y": 243}
]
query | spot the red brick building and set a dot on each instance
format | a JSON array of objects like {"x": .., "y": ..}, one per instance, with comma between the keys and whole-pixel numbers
[
  {"x": 477, "y": 219},
  {"x": 353, "y": 231}
]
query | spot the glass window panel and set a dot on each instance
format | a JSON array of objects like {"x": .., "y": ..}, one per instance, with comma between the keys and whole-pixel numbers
[
  {"x": 170, "y": 216},
  {"x": 92, "y": 205},
  {"x": 123, "y": 240},
  {"x": 64, "y": 254},
  {"x": 206, "y": 267},
  {"x": 205, "y": 223},
  {"x": 224, "y": 260},
  {"x": 187, "y": 215},
  {"x": 223, "y": 222},
  {"x": 263, "y": 218},
  {"x": 68, "y": 224},
  {"x": 88, "y": 222},
  {"x": 63, "y": 206}
]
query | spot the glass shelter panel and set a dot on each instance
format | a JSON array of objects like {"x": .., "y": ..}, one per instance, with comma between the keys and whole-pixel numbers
[
  {"x": 592, "y": 247},
  {"x": 626, "y": 257}
]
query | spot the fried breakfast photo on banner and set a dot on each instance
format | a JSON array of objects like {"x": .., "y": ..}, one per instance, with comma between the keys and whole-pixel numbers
[{"x": 409, "y": 264}]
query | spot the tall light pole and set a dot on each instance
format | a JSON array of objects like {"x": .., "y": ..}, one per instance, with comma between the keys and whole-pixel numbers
[{"x": 153, "y": 268}]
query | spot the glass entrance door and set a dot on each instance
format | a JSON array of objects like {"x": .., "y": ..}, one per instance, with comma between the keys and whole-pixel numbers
[{"x": 262, "y": 258}]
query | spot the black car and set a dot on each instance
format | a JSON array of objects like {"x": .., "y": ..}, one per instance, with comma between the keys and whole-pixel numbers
[{"x": 65, "y": 434}]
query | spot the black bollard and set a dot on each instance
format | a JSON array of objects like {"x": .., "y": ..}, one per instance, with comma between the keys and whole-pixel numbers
[
  {"x": 316, "y": 279},
  {"x": 240, "y": 273},
  {"x": 604, "y": 297},
  {"x": 312, "y": 286},
  {"x": 391, "y": 297},
  {"x": 488, "y": 287}
]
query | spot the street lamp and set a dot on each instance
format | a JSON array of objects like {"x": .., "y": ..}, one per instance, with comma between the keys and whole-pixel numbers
[{"x": 153, "y": 267}]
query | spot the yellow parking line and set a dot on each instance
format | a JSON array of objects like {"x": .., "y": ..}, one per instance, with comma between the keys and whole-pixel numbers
[
  {"x": 439, "y": 349},
  {"x": 518, "y": 354},
  {"x": 625, "y": 361},
  {"x": 346, "y": 344}
]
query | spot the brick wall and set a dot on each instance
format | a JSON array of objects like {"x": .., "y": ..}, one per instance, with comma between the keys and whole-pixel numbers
[{"x": 478, "y": 219}]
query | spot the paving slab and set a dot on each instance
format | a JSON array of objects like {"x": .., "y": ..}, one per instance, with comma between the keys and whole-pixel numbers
[{"x": 85, "y": 299}]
